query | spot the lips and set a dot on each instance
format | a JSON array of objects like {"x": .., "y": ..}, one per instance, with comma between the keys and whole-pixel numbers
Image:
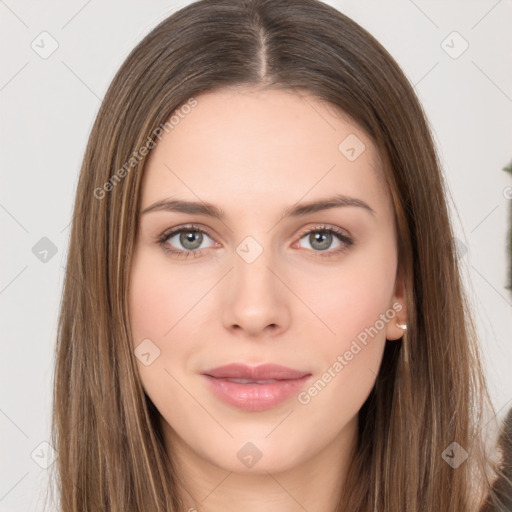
[
  {"x": 255, "y": 373},
  {"x": 255, "y": 388}
]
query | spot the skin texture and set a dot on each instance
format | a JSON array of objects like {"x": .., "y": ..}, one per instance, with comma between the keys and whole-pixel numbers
[{"x": 253, "y": 154}]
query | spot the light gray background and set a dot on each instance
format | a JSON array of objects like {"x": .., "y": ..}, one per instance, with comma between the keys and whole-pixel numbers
[{"x": 47, "y": 110}]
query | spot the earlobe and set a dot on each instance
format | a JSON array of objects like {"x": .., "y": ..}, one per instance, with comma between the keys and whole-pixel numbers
[
  {"x": 396, "y": 328},
  {"x": 398, "y": 325}
]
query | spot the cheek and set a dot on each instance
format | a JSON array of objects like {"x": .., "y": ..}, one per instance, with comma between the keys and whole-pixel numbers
[
  {"x": 355, "y": 305},
  {"x": 348, "y": 360},
  {"x": 156, "y": 303},
  {"x": 149, "y": 300},
  {"x": 157, "y": 298},
  {"x": 352, "y": 297}
]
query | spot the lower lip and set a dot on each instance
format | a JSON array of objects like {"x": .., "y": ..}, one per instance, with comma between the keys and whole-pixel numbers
[{"x": 255, "y": 397}]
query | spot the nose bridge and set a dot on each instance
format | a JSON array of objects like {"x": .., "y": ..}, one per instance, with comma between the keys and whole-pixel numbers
[
  {"x": 256, "y": 295},
  {"x": 253, "y": 279}
]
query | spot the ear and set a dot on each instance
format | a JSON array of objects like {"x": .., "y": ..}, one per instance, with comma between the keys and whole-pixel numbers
[{"x": 399, "y": 306}]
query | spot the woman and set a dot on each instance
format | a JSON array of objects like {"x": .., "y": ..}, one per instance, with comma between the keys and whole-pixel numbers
[{"x": 261, "y": 190}]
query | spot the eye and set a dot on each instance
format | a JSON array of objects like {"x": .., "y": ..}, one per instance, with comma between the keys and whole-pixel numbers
[
  {"x": 189, "y": 237},
  {"x": 321, "y": 239}
]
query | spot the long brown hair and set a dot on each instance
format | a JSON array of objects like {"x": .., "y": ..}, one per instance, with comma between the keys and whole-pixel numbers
[{"x": 105, "y": 429}]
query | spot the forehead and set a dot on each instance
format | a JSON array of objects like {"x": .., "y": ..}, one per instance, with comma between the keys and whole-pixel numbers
[{"x": 262, "y": 146}]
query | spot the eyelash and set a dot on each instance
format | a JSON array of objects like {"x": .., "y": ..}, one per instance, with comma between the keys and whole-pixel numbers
[{"x": 162, "y": 240}]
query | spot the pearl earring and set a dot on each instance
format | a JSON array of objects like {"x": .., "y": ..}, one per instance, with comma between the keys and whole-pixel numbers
[{"x": 405, "y": 348}]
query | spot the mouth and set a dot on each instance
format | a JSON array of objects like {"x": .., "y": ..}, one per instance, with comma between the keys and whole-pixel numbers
[{"x": 255, "y": 388}]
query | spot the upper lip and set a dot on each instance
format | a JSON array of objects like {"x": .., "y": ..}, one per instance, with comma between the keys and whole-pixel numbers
[{"x": 261, "y": 372}]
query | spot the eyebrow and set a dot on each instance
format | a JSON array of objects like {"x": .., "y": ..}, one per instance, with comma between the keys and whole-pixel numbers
[{"x": 297, "y": 210}]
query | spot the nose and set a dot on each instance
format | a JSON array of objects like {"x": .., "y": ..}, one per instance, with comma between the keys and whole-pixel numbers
[{"x": 256, "y": 298}]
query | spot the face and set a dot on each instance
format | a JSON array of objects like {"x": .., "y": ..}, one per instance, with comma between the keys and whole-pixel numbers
[{"x": 265, "y": 282}]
